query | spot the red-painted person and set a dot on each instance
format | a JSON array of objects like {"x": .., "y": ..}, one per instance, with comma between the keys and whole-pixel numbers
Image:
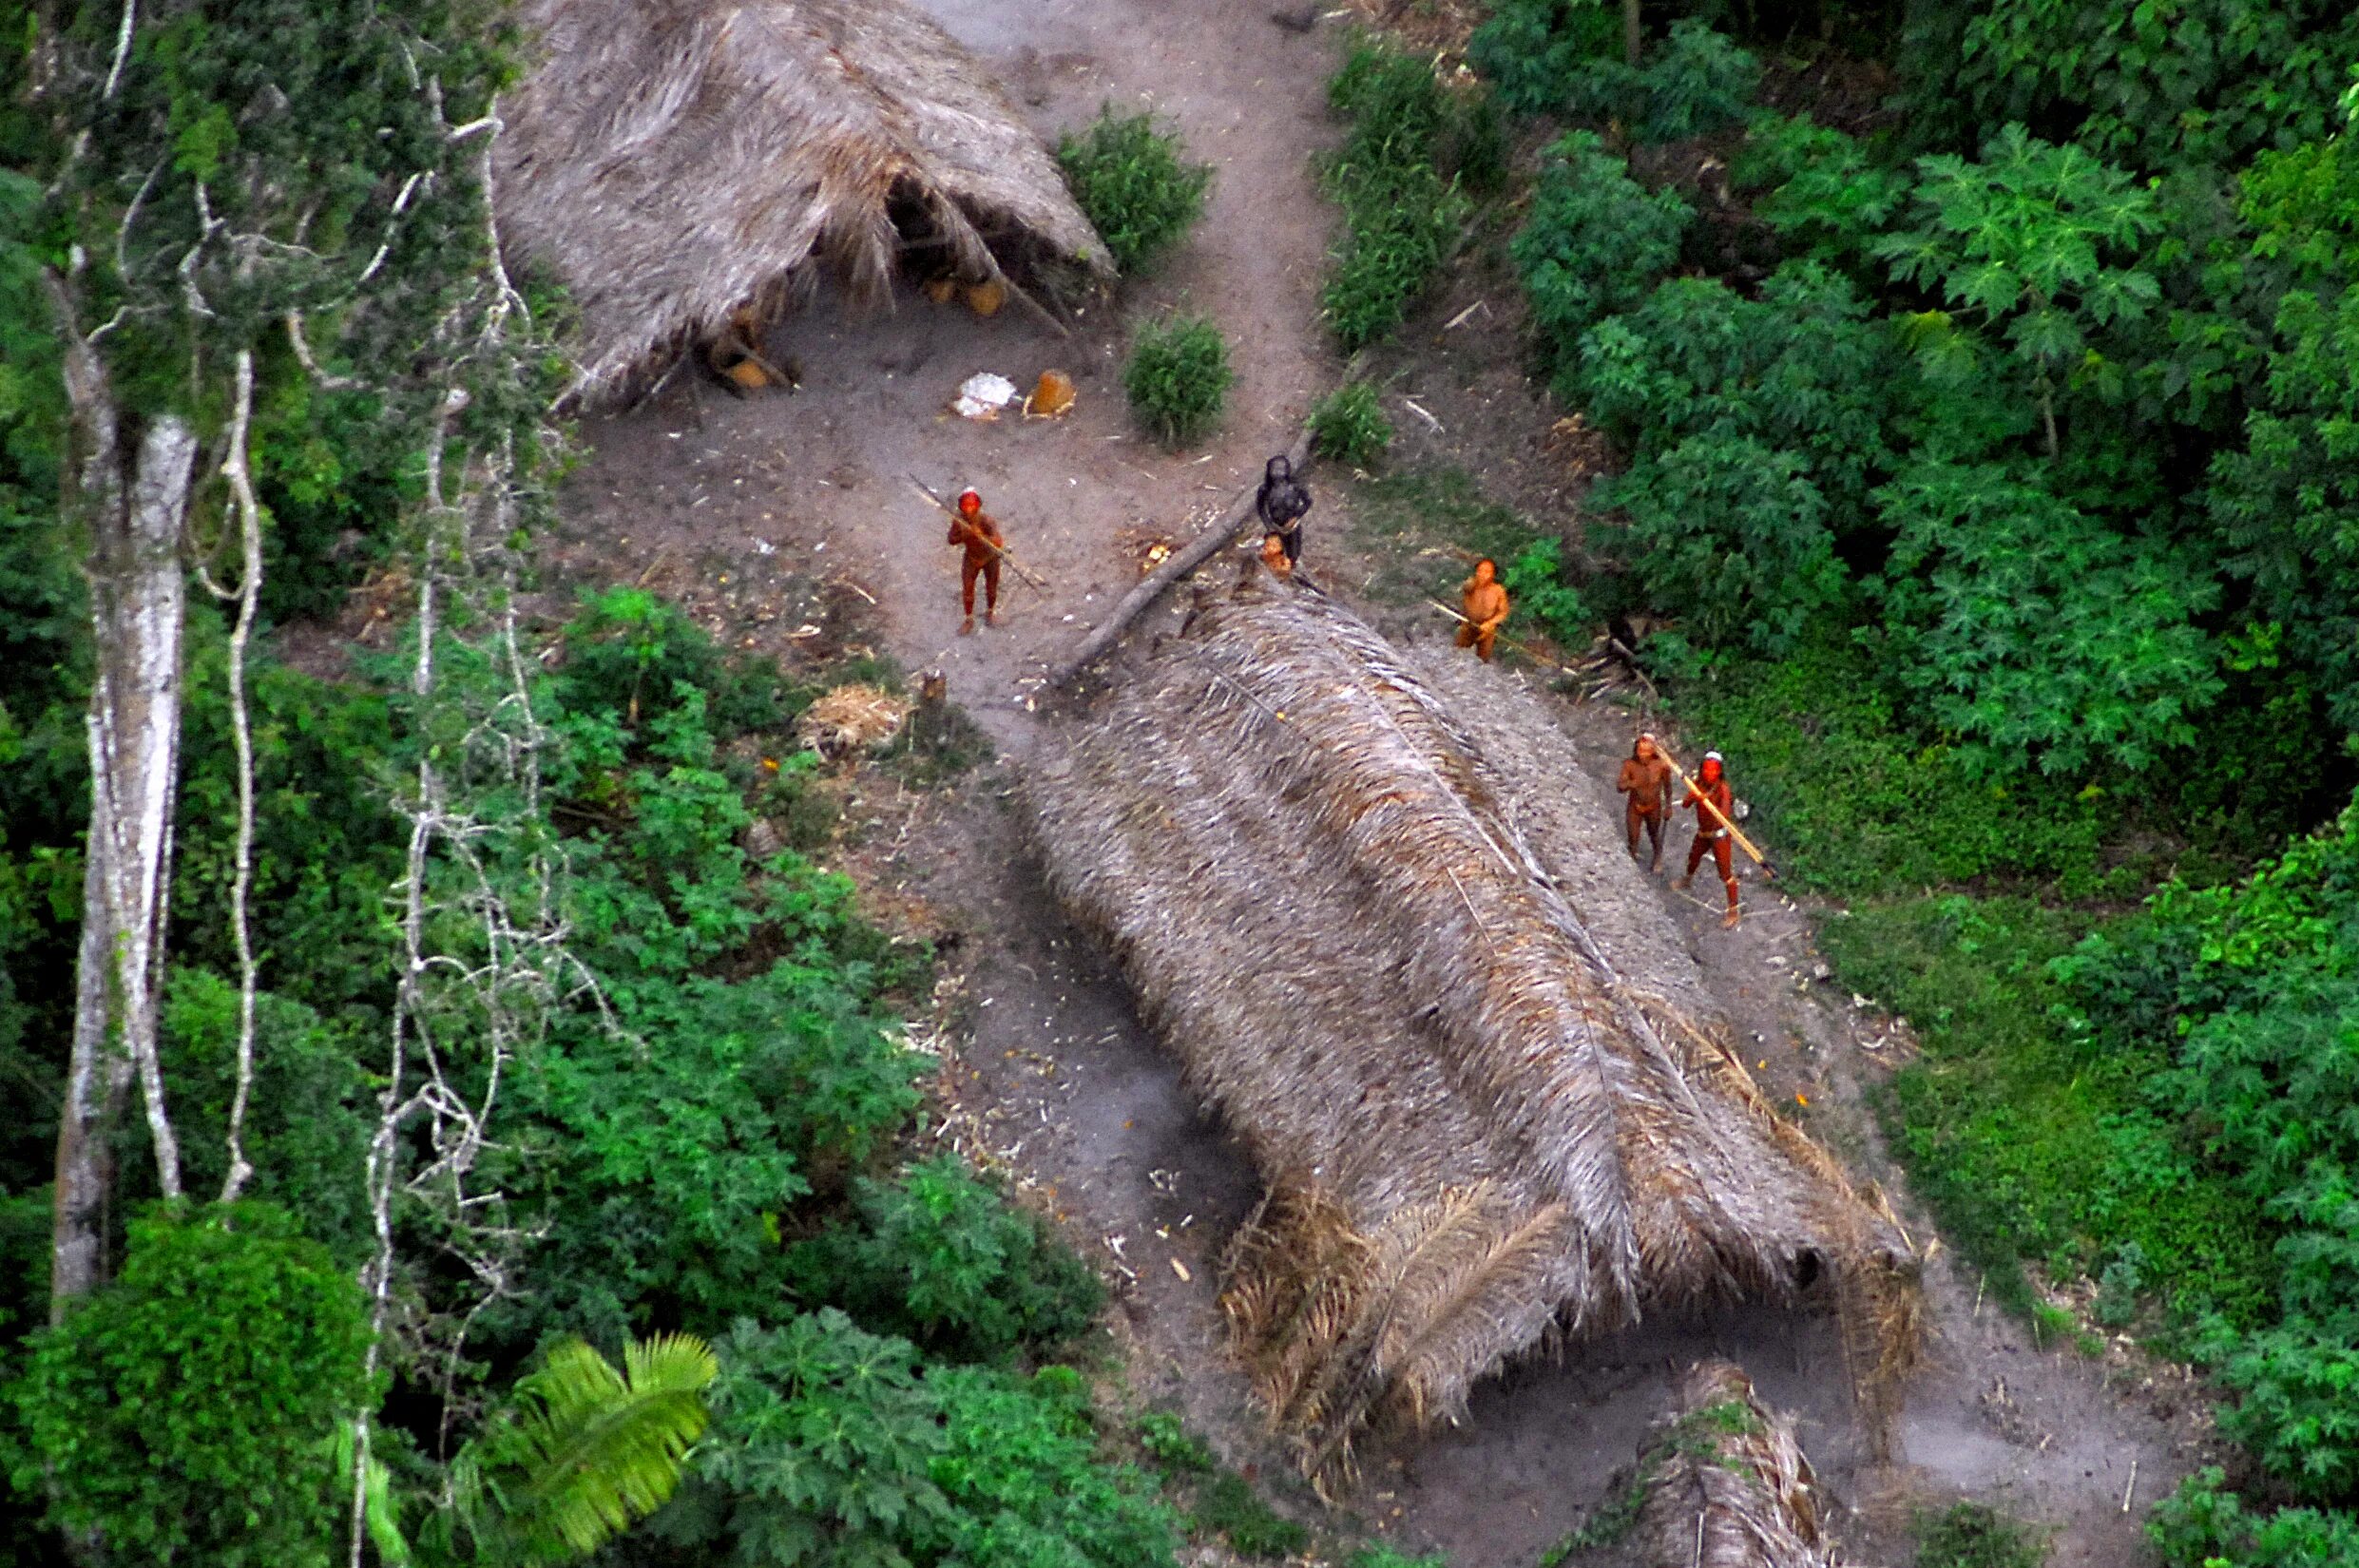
[
  {"x": 974, "y": 529},
  {"x": 1711, "y": 784},
  {"x": 1647, "y": 780}
]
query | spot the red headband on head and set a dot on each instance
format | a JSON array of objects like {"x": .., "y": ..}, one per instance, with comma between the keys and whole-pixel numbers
[{"x": 966, "y": 496}]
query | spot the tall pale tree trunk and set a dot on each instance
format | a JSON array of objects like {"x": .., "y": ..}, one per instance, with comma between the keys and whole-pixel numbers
[
  {"x": 132, "y": 512},
  {"x": 1630, "y": 32}
]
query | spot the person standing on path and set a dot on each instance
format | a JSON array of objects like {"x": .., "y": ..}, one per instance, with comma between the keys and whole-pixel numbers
[
  {"x": 1647, "y": 780},
  {"x": 1711, "y": 785},
  {"x": 974, "y": 529},
  {"x": 1281, "y": 503},
  {"x": 1486, "y": 603}
]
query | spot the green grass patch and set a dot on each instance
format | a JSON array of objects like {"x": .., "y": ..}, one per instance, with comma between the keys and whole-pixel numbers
[
  {"x": 1426, "y": 528},
  {"x": 1403, "y": 215},
  {"x": 1129, "y": 174},
  {"x": 1227, "y": 1506},
  {"x": 2028, "y": 1144},
  {"x": 1178, "y": 379},
  {"x": 1168, "y": 1441},
  {"x": 1348, "y": 426},
  {"x": 1970, "y": 1535}
]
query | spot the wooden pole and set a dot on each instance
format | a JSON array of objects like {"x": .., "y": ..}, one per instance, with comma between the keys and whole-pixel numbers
[
  {"x": 1198, "y": 551},
  {"x": 1000, "y": 551},
  {"x": 1525, "y": 649},
  {"x": 1734, "y": 831}
]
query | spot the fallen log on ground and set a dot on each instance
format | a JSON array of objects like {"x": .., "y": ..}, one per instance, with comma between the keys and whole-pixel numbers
[{"x": 1184, "y": 560}]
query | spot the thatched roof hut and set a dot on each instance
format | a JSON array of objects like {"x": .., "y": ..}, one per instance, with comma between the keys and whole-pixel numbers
[
  {"x": 1726, "y": 1483},
  {"x": 673, "y": 161},
  {"x": 1340, "y": 878}
]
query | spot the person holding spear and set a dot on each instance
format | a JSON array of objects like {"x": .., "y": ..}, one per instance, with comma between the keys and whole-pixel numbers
[
  {"x": 1485, "y": 600},
  {"x": 1712, "y": 800},
  {"x": 985, "y": 547}
]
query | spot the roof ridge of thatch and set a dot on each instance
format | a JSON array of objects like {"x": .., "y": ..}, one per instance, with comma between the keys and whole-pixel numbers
[{"x": 673, "y": 161}]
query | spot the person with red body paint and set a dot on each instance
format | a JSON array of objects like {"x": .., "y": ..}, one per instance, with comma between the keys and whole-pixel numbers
[
  {"x": 1711, "y": 784},
  {"x": 974, "y": 529}
]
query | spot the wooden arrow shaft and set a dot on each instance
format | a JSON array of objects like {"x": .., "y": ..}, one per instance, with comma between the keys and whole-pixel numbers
[{"x": 1525, "y": 649}]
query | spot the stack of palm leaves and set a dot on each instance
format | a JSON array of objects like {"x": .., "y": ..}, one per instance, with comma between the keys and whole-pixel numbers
[{"x": 1349, "y": 916}]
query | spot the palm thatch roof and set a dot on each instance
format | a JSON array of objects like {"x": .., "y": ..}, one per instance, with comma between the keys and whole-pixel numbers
[
  {"x": 1345, "y": 880},
  {"x": 673, "y": 161},
  {"x": 1727, "y": 1484}
]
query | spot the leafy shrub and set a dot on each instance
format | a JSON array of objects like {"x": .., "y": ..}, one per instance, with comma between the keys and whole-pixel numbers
[
  {"x": 1825, "y": 195},
  {"x": 828, "y": 1444},
  {"x": 2126, "y": 84},
  {"x": 2040, "y": 245},
  {"x": 2034, "y": 633},
  {"x": 1349, "y": 425},
  {"x": 1694, "y": 81},
  {"x": 2118, "y": 1287},
  {"x": 1594, "y": 242},
  {"x": 186, "y": 1410},
  {"x": 1529, "y": 48},
  {"x": 943, "y": 1258},
  {"x": 1227, "y": 1506},
  {"x": 1402, "y": 216},
  {"x": 1727, "y": 535},
  {"x": 1178, "y": 378},
  {"x": 1138, "y": 191},
  {"x": 2202, "y": 1526},
  {"x": 1802, "y": 370},
  {"x": 1972, "y": 1535},
  {"x": 1168, "y": 1439},
  {"x": 1536, "y": 586}
]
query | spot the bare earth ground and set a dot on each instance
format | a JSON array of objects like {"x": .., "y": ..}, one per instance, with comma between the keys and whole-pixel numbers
[{"x": 787, "y": 524}]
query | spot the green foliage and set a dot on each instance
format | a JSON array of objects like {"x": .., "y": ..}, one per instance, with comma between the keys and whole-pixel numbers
[
  {"x": 1827, "y": 195},
  {"x": 185, "y": 1410},
  {"x": 1169, "y": 1442},
  {"x": 1973, "y": 1534},
  {"x": 1538, "y": 589},
  {"x": 1227, "y": 1507},
  {"x": 581, "y": 1451},
  {"x": 2202, "y": 82},
  {"x": 1403, "y": 218},
  {"x": 1387, "y": 1556},
  {"x": 2035, "y": 633},
  {"x": 1349, "y": 425},
  {"x": 1529, "y": 48},
  {"x": 828, "y": 1448},
  {"x": 1132, "y": 181},
  {"x": 1564, "y": 57},
  {"x": 1594, "y": 242},
  {"x": 1178, "y": 378},
  {"x": 2202, "y": 1526},
  {"x": 1729, "y": 535},
  {"x": 1802, "y": 368},
  {"x": 2040, "y": 245},
  {"x": 942, "y": 1258}
]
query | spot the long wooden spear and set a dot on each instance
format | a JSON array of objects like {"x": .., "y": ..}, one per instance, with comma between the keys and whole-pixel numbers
[
  {"x": 1525, "y": 649},
  {"x": 1734, "y": 831},
  {"x": 1000, "y": 551}
]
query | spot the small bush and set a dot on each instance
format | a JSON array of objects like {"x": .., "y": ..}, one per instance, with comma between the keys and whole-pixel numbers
[
  {"x": 1178, "y": 378},
  {"x": 1348, "y": 426},
  {"x": 1529, "y": 48},
  {"x": 1536, "y": 586},
  {"x": 1228, "y": 1508},
  {"x": 1595, "y": 242},
  {"x": 1973, "y": 1536},
  {"x": 1564, "y": 56},
  {"x": 1169, "y": 1442},
  {"x": 1130, "y": 178}
]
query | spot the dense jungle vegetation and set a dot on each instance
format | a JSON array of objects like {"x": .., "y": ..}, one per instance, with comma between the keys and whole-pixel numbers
[
  {"x": 1991, "y": 441},
  {"x": 503, "y": 1163}
]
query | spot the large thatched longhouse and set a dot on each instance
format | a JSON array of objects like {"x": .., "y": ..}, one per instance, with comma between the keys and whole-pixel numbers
[
  {"x": 675, "y": 161},
  {"x": 1469, "y": 1055}
]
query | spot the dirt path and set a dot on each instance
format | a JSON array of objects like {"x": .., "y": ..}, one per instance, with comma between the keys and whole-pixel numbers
[{"x": 769, "y": 517}]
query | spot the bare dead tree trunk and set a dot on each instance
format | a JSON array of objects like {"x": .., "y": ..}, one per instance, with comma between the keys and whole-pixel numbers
[
  {"x": 235, "y": 469},
  {"x": 136, "y": 611}
]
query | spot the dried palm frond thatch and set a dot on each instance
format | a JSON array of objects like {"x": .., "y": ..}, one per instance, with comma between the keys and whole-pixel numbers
[
  {"x": 851, "y": 719},
  {"x": 673, "y": 161},
  {"x": 1352, "y": 910},
  {"x": 1726, "y": 1483}
]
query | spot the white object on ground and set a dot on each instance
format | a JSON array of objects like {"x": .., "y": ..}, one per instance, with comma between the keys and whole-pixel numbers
[{"x": 984, "y": 395}]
